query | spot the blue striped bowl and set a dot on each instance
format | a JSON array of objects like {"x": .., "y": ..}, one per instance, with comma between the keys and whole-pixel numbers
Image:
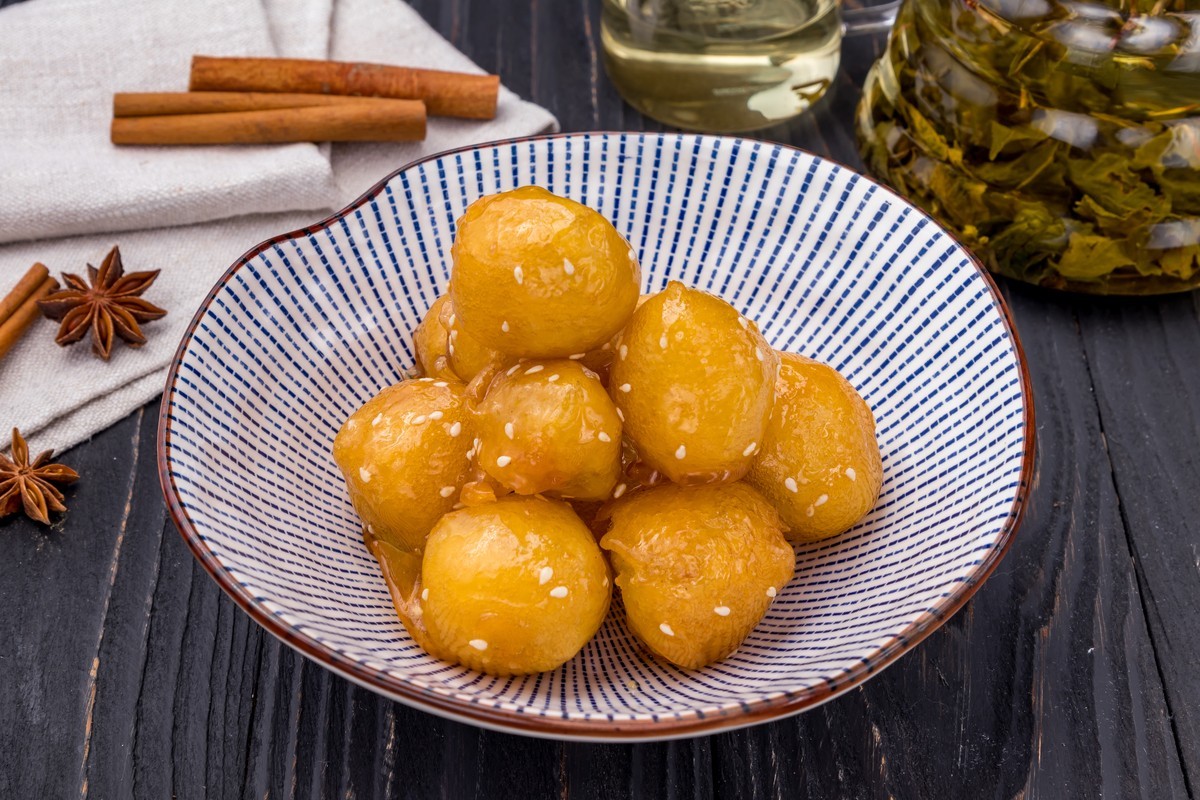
[{"x": 309, "y": 325}]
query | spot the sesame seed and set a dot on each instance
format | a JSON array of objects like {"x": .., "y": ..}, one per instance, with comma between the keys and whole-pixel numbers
[
  {"x": 450, "y": 348},
  {"x": 620, "y": 490},
  {"x": 591, "y": 374},
  {"x": 606, "y": 346},
  {"x": 426, "y": 380},
  {"x": 625, "y": 387},
  {"x": 552, "y": 378},
  {"x": 822, "y": 500},
  {"x": 503, "y": 461},
  {"x": 545, "y": 575},
  {"x": 604, "y": 437},
  {"x": 435, "y": 415},
  {"x": 419, "y": 419},
  {"x": 453, "y": 334},
  {"x": 370, "y": 529},
  {"x": 425, "y": 594},
  {"x": 504, "y": 326},
  {"x": 378, "y": 419},
  {"x": 519, "y": 274},
  {"x": 808, "y": 512},
  {"x": 851, "y": 474},
  {"x": 662, "y": 341},
  {"x": 453, "y": 319},
  {"x": 478, "y": 644},
  {"x": 665, "y": 628},
  {"x": 681, "y": 453},
  {"x": 750, "y": 448},
  {"x": 446, "y": 491},
  {"x": 621, "y": 414},
  {"x": 513, "y": 370},
  {"x": 758, "y": 353},
  {"x": 624, "y": 351},
  {"x": 632, "y": 256},
  {"x": 721, "y": 611},
  {"x": 605, "y": 583},
  {"x": 508, "y": 429},
  {"x": 559, "y": 592},
  {"x": 365, "y": 474},
  {"x": 653, "y": 477},
  {"x": 535, "y": 368},
  {"x": 568, "y": 267},
  {"x": 457, "y": 506},
  {"x": 441, "y": 384},
  {"x": 576, "y": 356},
  {"x": 771, "y": 591},
  {"x": 455, "y": 429},
  {"x": 790, "y": 483}
]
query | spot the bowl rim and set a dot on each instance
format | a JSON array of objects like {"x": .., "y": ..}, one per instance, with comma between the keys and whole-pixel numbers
[{"x": 690, "y": 723}]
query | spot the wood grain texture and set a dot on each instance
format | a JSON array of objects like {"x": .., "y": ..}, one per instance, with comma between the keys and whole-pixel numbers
[{"x": 124, "y": 672}]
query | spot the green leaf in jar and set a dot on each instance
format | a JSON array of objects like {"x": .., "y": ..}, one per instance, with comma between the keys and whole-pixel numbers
[
  {"x": 1090, "y": 256},
  {"x": 1003, "y": 136},
  {"x": 1114, "y": 186},
  {"x": 1182, "y": 262}
]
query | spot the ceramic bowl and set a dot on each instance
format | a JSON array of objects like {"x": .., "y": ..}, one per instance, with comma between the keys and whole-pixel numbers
[{"x": 309, "y": 325}]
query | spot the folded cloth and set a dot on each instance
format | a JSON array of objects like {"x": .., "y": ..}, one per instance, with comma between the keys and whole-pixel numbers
[
  {"x": 62, "y": 396},
  {"x": 61, "y": 62}
]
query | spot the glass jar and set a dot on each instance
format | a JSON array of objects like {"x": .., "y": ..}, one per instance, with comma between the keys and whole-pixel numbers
[{"x": 1059, "y": 139}]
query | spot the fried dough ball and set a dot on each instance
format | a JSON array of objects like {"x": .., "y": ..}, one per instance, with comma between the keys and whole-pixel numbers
[
  {"x": 697, "y": 567},
  {"x": 404, "y": 458},
  {"x": 549, "y": 426},
  {"x": 541, "y": 276},
  {"x": 819, "y": 464},
  {"x": 694, "y": 381},
  {"x": 430, "y": 341},
  {"x": 508, "y": 588}
]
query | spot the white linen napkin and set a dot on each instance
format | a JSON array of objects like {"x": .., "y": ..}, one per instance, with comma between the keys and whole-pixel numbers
[{"x": 61, "y": 396}]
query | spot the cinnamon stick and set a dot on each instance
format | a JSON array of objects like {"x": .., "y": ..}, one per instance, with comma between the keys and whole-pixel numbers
[
  {"x": 19, "y": 321},
  {"x": 151, "y": 104},
  {"x": 394, "y": 121},
  {"x": 446, "y": 94},
  {"x": 28, "y": 284}
]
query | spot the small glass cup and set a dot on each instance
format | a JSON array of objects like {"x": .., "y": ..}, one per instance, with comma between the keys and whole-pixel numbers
[{"x": 728, "y": 65}]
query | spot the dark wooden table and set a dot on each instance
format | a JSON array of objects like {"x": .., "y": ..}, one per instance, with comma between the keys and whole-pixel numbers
[{"x": 124, "y": 672}]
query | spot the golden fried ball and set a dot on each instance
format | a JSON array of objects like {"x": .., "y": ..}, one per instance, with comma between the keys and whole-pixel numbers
[
  {"x": 697, "y": 567},
  {"x": 549, "y": 426},
  {"x": 430, "y": 341},
  {"x": 468, "y": 356},
  {"x": 819, "y": 463},
  {"x": 404, "y": 458},
  {"x": 541, "y": 276},
  {"x": 511, "y": 587},
  {"x": 694, "y": 381}
]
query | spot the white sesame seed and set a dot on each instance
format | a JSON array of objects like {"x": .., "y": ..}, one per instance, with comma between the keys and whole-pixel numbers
[
  {"x": 446, "y": 491},
  {"x": 424, "y": 594},
  {"x": 662, "y": 341},
  {"x": 450, "y": 348},
  {"x": 519, "y": 274},
  {"x": 621, "y": 414},
  {"x": 453, "y": 334},
  {"x": 503, "y": 461},
  {"x": 809, "y": 511},
  {"x": 822, "y": 500},
  {"x": 605, "y": 582},
  {"x": 681, "y": 452},
  {"x": 441, "y": 384},
  {"x": 591, "y": 374},
  {"x": 370, "y": 529},
  {"x": 624, "y": 351},
  {"x": 625, "y": 387},
  {"x": 426, "y": 380},
  {"x": 419, "y": 419},
  {"x": 758, "y": 353},
  {"x": 851, "y": 474},
  {"x": 750, "y": 448},
  {"x": 632, "y": 256},
  {"x": 604, "y": 437},
  {"x": 478, "y": 644},
  {"x": 545, "y": 575},
  {"x": 721, "y": 611},
  {"x": 534, "y": 369},
  {"x": 665, "y": 628},
  {"x": 455, "y": 429},
  {"x": 508, "y": 429},
  {"x": 453, "y": 319},
  {"x": 457, "y": 506},
  {"x": 436, "y": 415},
  {"x": 606, "y": 346},
  {"x": 559, "y": 592},
  {"x": 552, "y": 378},
  {"x": 576, "y": 356},
  {"x": 790, "y": 483},
  {"x": 504, "y": 326},
  {"x": 620, "y": 490},
  {"x": 378, "y": 419},
  {"x": 365, "y": 474},
  {"x": 568, "y": 267},
  {"x": 771, "y": 591},
  {"x": 745, "y": 323},
  {"x": 513, "y": 370},
  {"x": 653, "y": 477}
]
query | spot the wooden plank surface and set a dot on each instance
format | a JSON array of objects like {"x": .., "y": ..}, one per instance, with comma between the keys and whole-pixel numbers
[{"x": 124, "y": 672}]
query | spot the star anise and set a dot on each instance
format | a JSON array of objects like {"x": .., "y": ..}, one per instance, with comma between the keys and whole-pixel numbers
[
  {"x": 110, "y": 305},
  {"x": 31, "y": 485}
]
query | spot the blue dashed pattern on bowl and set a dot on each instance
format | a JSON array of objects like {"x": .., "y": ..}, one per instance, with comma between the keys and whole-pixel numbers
[{"x": 310, "y": 325}]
